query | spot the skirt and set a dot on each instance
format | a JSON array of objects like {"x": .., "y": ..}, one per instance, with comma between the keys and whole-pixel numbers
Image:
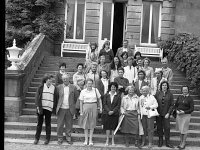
[
  {"x": 130, "y": 123},
  {"x": 88, "y": 119},
  {"x": 110, "y": 121},
  {"x": 182, "y": 123}
]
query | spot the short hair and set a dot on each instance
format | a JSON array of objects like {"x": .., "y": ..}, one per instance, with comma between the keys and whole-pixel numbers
[
  {"x": 89, "y": 79},
  {"x": 130, "y": 58},
  {"x": 161, "y": 72},
  {"x": 110, "y": 85},
  {"x": 100, "y": 75},
  {"x": 80, "y": 64},
  {"x": 137, "y": 53},
  {"x": 46, "y": 77},
  {"x": 62, "y": 64},
  {"x": 163, "y": 83},
  {"x": 149, "y": 61},
  {"x": 125, "y": 41},
  {"x": 131, "y": 87},
  {"x": 123, "y": 53},
  {"x": 185, "y": 86},
  {"x": 146, "y": 87},
  {"x": 65, "y": 76},
  {"x": 120, "y": 68},
  {"x": 142, "y": 71}
]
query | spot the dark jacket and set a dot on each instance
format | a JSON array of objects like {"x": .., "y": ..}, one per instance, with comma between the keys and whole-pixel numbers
[
  {"x": 185, "y": 103},
  {"x": 168, "y": 102},
  {"x": 58, "y": 78},
  {"x": 100, "y": 86},
  {"x": 38, "y": 99},
  {"x": 115, "y": 106},
  {"x": 144, "y": 83},
  {"x": 123, "y": 82}
]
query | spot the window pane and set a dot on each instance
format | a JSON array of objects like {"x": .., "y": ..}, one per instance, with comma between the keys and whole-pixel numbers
[
  {"x": 80, "y": 19},
  {"x": 106, "y": 24},
  {"x": 155, "y": 22},
  {"x": 70, "y": 19},
  {"x": 145, "y": 22}
]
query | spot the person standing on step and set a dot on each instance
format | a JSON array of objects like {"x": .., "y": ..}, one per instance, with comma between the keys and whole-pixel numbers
[
  {"x": 167, "y": 72},
  {"x": 111, "y": 110},
  {"x": 89, "y": 98},
  {"x": 184, "y": 106},
  {"x": 165, "y": 105},
  {"x": 79, "y": 75},
  {"x": 103, "y": 66},
  {"x": 147, "y": 102},
  {"x": 125, "y": 48},
  {"x": 45, "y": 101},
  {"x": 107, "y": 52},
  {"x": 137, "y": 56},
  {"x": 62, "y": 71},
  {"x": 130, "y": 108},
  {"x": 93, "y": 74},
  {"x": 66, "y": 96},
  {"x": 116, "y": 63}
]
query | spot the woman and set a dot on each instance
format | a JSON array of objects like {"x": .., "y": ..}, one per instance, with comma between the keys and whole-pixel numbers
[
  {"x": 124, "y": 60},
  {"x": 147, "y": 102},
  {"x": 89, "y": 99},
  {"x": 45, "y": 105},
  {"x": 122, "y": 82},
  {"x": 155, "y": 82},
  {"x": 62, "y": 71},
  {"x": 102, "y": 65},
  {"x": 102, "y": 83},
  {"x": 79, "y": 75},
  {"x": 130, "y": 72},
  {"x": 92, "y": 55},
  {"x": 116, "y": 63},
  {"x": 140, "y": 82},
  {"x": 111, "y": 109},
  {"x": 130, "y": 108},
  {"x": 184, "y": 106},
  {"x": 107, "y": 52},
  {"x": 139, "y": 64},
  {"x": 148, "y": 70},
  {"x": 165, "y": 105},
  {"x": 136, "y": 57}
]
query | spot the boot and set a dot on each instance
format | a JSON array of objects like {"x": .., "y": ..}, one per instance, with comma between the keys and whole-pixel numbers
[{"x": 160, "y": 142}]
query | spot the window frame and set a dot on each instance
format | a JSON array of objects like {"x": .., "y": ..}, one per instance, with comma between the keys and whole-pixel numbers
[
  {"x": 150, "y": 25},
  {"x": 75, "y": 21}
]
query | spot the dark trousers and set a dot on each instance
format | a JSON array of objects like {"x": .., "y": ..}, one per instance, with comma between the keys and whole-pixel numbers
[
  {"x": 40, "y": 118},
  {"x": 163, "y": 127}
]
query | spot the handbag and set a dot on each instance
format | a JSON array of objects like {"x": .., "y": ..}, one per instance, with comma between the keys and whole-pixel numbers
[
  {"x": 174, "y": 113},
  {"x": 152, "y": 113}
]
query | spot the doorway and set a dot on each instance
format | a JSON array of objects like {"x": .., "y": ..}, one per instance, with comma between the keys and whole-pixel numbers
[{"x": 118, "y": 26}]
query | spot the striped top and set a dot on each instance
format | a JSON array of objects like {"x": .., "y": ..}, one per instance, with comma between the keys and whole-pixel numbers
[{"x": 47, "y": 97}]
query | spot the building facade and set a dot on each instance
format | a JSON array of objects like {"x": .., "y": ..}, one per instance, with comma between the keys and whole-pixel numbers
[{"x": 142, "y": 22}]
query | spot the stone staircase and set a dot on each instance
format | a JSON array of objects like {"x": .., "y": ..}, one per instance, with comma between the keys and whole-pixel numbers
[{"x": 25, "y": 128}]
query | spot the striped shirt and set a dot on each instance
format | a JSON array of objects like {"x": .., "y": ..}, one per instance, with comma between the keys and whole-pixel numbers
[{"x": 47, "y": 97}]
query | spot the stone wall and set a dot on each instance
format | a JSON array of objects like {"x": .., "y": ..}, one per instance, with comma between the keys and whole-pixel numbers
[{"x": 187, "y": 16}]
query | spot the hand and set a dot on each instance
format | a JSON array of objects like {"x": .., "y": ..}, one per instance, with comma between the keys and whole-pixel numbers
[
  {"x": 120, "y": 86},
  {"x": 110, "y": 112},
  {"x": 148, "y": 108},
  {"x": 167, "y": 115},
  {"x": 181, "y": 112}
]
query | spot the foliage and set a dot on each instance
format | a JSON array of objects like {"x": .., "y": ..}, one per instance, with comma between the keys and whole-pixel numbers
[{"x": 184, "y": 50}]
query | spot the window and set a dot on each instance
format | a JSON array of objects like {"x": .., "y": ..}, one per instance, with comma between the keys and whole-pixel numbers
[
  {"x": 150, "y": 23},
  {"x": 75, "y": 20}
]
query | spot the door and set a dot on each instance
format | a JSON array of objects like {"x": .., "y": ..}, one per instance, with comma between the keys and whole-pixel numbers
[{"x": 106, "y": 22}]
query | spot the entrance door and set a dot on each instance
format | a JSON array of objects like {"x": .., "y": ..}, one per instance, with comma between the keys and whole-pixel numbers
[
  {"x": 106, "y": 22},
  {"x": 119, "y": 26}
]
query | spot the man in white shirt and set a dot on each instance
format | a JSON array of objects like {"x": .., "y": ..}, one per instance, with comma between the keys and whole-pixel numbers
[{"x": 67, "y": 95}]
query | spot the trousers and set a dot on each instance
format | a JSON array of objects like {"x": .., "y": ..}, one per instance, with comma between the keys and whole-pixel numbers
[{"x": 163, "y": 127}]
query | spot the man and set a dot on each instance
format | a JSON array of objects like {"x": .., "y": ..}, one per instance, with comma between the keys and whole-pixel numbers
[
  {"x": 167, "y": 72},
  {"x": 125, "y": 48},
  {"x": 65, "y": 110},
  {"x": 93, "y": 74}
]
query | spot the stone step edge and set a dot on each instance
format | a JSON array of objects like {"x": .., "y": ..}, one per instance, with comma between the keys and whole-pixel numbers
[
  {"x": 99, "y": 127},
  {"x": 80, "y": 144}
]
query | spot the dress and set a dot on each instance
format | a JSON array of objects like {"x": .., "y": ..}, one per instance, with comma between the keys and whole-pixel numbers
[
  {"x": 89, "y": 99},
  {"x": 130, "y": 122},
  {"x": 110, "y": 121}
]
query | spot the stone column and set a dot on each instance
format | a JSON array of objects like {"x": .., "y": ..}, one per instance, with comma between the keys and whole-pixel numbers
[{"x": 13, "y": 94}]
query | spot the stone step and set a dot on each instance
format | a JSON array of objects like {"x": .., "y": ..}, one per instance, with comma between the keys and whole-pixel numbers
[
  {"x": 40, "y": 75},
  {"x": 54, "y": 72},
  {"x": 119, "y": 139}
]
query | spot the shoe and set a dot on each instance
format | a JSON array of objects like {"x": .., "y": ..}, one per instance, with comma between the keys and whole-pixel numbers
[
  {"x": 60, "y": 142},
  {"x": 36, "y": 141},
  {"x": 169, "y": 145},
  {"x": 136, "y": 143},
  {"x": 70, "y": 142},
  {"x": 91, "y": 143},
  {"x": 46, "y": 142},
  {"x": 180, "y": 148},
  {"x": 85, "y": 143},
  {"x": 160, "y": 142}
]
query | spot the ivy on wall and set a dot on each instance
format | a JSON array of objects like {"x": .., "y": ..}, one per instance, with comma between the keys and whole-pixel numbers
[{"x": 184, "y": 50}]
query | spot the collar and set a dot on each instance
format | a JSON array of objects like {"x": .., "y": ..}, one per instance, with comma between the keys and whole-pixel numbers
[
  {"x": 104, "y": 79},
  {"x": 65, "y": 85},
  {"x": 185, "y": 95},
  {"x": 114, "y": 93},
  {"x": 62, "y": 72}
]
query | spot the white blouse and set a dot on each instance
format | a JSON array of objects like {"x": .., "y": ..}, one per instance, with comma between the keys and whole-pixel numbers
[
  {"x": 105, "y": 84},
  {"x": 89, "y": 96},
  {"x": 130, "y": 73}
]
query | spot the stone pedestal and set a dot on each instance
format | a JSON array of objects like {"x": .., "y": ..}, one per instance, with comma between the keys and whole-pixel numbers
[{"x": 13, "y": 94}]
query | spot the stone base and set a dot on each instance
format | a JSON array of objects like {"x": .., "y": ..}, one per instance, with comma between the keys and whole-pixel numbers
[{"x": 12, "y": 108}]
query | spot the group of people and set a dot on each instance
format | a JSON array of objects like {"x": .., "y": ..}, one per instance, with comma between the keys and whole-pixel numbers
[{"x": 123, "y": 89}]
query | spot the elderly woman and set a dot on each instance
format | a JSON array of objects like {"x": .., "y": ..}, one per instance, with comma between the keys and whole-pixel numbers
[
  {"x": 165, "y": 105},
  {"x": 130, "y": 108},
  {"x": 107, "y": 52},
  {"x": 155, "y": 82},
  {"x": 148, "y": 70},
  {"x": 89, "y": 99},
  {"x": 78, "y": 75},
  {"x": 116, "y": 63},
  {"x": 147, "y": 102},
  {"x": 111, "y": 109},
  {"x": 130, "y": 72},
  {"x": 184, "y": 106}
]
